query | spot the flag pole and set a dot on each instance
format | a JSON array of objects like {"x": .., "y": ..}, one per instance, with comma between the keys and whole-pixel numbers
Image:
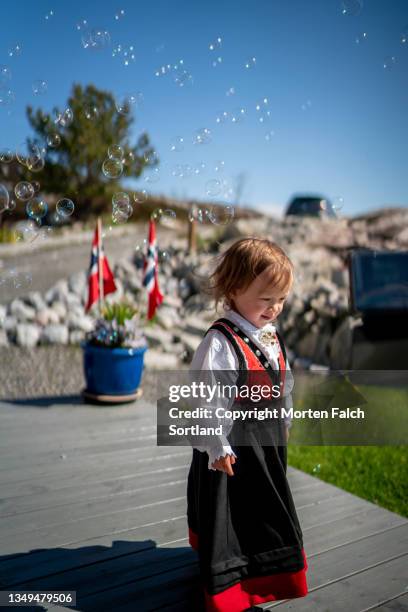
[{"x": 100, "y": 270}]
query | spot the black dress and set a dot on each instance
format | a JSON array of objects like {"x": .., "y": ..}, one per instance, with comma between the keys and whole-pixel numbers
[{"x": 245, "y": 527}]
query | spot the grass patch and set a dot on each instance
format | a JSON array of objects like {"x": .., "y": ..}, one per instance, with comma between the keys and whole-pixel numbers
[{"x": 377, "y": 473}]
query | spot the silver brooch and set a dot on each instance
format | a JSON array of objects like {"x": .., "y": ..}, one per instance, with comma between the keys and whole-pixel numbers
[{"x": 267, "y": 337}]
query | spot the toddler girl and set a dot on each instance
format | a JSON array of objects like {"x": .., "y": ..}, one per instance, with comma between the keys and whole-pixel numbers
[{"x": 241, "y": 516}]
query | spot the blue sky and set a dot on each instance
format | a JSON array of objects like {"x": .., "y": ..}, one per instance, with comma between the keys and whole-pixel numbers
[{"x": 338, "y": 117}]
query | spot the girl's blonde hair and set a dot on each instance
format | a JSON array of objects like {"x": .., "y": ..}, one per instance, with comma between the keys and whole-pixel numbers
[{"x": 242, "y": 262}]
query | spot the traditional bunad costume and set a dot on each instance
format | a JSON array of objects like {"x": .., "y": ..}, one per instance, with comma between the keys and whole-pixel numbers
[{"x": 245, "y": 527}]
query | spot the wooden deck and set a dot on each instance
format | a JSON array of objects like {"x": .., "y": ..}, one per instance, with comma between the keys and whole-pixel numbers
[{"x": 90, "y": 503}]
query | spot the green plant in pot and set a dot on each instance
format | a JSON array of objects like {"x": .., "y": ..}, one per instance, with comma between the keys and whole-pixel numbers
[{"x": 114, "y": 354}]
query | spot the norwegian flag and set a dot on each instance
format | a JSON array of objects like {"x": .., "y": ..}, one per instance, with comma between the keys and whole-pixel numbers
[
  {"x": 100, "y": 274},
  {"x": 150, "y": 273}
]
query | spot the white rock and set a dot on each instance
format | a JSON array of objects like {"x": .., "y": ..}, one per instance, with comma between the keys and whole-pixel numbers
[
  {"x": 46, "y": 316},
  {"x": 76, "y": 336},
  {"x": 27, "y": 334},
  {"x": 82, "y": 322},
  {"x": 55, "y": 334},
  {"x": 22, "y": 311},
  {"x": 60, "y": 309},
  {"x": 9, "y": 323},
  {"x": 35, "y": 299},
  {"x": 156, "y": 360},
  {"x": 157, "y": 336},
  {"x": 3, "y": 338}
]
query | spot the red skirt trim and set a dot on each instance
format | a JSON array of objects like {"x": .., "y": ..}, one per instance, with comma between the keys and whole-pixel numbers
[{"x": 252, "y": 591}]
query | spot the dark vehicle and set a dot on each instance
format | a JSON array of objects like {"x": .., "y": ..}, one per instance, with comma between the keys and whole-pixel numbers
[
  {"x": 311, "y": 206},
  {"x": 375, "y": 335}
]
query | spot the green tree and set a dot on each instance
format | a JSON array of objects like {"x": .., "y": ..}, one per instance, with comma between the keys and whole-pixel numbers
[{"x": 75, "y": 147}]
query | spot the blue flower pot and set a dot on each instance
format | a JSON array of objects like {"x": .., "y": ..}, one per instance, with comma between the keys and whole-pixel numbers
[{"x": 112, "y": 371}]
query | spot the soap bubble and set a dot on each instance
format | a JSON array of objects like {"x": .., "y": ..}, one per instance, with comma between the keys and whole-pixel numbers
[
  {"x": 121, "y": 215},
  {"x": 306, "y": 105},
  {"x": 39, "y": 87},
  {"x": 6, "y": 156},
  {"x": 7, "y": 96},
  {"x": 216, "y": 44},
  {"x": 177, "y": 144},
  {"x": 120, "y": 14},
  {"x": 36, "y": 208},
  {"x": 29, "y": 152},
  {"x": 202, "y": 136},
  {"x": 151, "y": 157},
  {"x": 141, "y": 248},
  {"x": 82, "y": 25},
  {"x": 36, "y": 186},
  {"x": 24, "y": 191},
  {"x": 91, "y": 113},
  {"x": 5, "y": 74},
  {"x": 65, "y": 118},
  {"x": 99, "y": 39},
  {"x": 4, "y": 198},
  {"x": 128, "y": 158},
  {"x": 198, "y": 214},
  {"x": 152, "y": 175},
  {"x": 238, "y": 115},
  {"x": 182, "y": 77},
  {"x": 26, "y": 231},
  {"x": 351, "y": 8},
  {"x": 12, "y": 204},
  {"x": 35, "y": 164},
  {"x": 361, "y": 38},
  {"x": 65, "y": 207},
  {"x": 120, "y": 197},
  {"x": 115, "y": 152},
  {"x": 213, "y": 188},
  {"x": 221, "y": 215},
  {"x": 219, "y": 166},
  {"x": 250, "y": 63},
  {"x": 140, "y": 196},
  {"x": 126, "y": 102},
  {"x": 269, "y": 135},
  {"x": 389, "y": 62},
  {"x": 128, "y": 55},
  {"x": 316, "y": 468},
  {"x": 53, "y": 140},
  {"x": 112, "y": 168},
  {"x": 216, "y": 62},
  {"x": 337, "y": 202},
  {"x": 15, "y": 50},
  {"x": 230, "y": 91},
  {"x": 157, "y": 214},
  {"x": 261, "y": 104},
  {"x": 49, "y": 15},
  {"x": 125, "y": 53},
  {"x": 182, "y": 171},
  {"x": 86, "y": 39},
  {"x": 404, "y": 36},
  {"x": 200, "y": 168},
  {"x": 222, "y": 117}
]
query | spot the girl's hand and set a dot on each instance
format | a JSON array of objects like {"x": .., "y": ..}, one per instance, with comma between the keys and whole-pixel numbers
[{"x": 224, "y": 464}]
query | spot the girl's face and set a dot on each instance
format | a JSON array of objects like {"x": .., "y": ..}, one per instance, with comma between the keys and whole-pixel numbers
[{"x": 260, "y": 303}]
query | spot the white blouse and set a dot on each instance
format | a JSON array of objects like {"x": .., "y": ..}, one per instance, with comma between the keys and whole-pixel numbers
[{"x": 216, "y": 353}]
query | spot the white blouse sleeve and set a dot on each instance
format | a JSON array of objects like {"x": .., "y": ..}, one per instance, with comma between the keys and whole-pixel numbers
[
  {"x": 287, "y": 393},
  {"x": 215, "y": 353}
]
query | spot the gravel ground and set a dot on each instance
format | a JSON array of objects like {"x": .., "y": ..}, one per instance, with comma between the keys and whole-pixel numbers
[{"x": 48, "y": 371}]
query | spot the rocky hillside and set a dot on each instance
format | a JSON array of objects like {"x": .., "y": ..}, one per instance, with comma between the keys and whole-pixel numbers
[{"x": 317, "y": 305}]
